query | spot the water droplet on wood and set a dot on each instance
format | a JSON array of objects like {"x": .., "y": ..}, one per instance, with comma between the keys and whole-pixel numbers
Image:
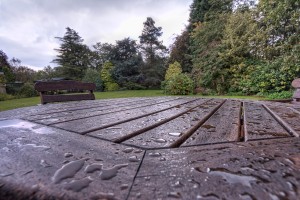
[
  {"x": 107, "y": 174},
  {"x": 78, "y": 185},
  {"x": 68, "y": 170}
]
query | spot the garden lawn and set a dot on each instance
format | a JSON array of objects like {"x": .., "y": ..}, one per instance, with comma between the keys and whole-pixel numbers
[{"x": 25, "y": 102}]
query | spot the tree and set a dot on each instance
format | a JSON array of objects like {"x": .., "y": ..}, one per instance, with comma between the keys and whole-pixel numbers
[
  {"x": 154, "y": 54},
  {"x": 93, "y": 76},
  {"x": 209, "y": 69},
  {"x": 198, "y": 10},
  {"x": 73, "y": 56},
  {"x": 108, "y": 81},
  {"x": 127, "y": 61},
  {"x": 47, "y": 73},
  {"x": 3, "y": 60},
  {"x": 24, "y": 74},
  {"x": 103, "y": 53},
  {"x": 173, "y": 70},
  {"x": 6, "y": 68},
  {"x": 180, "y": 51}
]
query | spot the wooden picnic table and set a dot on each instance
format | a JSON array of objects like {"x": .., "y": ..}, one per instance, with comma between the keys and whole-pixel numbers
[{"x": 151, "y": 148}]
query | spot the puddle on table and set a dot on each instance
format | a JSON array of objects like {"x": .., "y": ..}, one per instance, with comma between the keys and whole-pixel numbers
[
  {"x": 107, "y": 174},
  {"x": 233, "y": 178},
  {"x": 21, "y": 124}
]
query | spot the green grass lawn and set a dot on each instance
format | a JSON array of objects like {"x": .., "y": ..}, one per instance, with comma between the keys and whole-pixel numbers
[{"x": 25, "y": 102}]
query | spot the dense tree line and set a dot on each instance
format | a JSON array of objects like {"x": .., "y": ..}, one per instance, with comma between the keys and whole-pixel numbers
[
  {"x": 240, "y": 46},
  {"x": 125, "y": 64},
  {"x": 228, "y": 46}
]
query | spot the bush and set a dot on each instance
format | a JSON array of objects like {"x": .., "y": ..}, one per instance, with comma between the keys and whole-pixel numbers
[
  {"x": 280, "y": 95},
  {"x": 4, "y": 97},
  {"x": 93, "y": 76},
  {"x": 134, "y": 86},
  {"x": 173, "y": 70},
  {"x": 106, "y": 76},
  {"x": 27, "y": 90},
  {"x": 180, "y": 84},
  {"x": 111, "y": 86},
  {"x": 14, "y": 88}
]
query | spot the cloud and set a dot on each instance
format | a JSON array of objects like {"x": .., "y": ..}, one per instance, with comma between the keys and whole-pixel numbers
[{"x": 28, "y": 27}]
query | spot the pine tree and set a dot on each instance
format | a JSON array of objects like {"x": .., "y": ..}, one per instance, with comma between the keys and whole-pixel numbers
[
  {"x": 154, "y": 54},
  {"x": 73, "y": 56}
]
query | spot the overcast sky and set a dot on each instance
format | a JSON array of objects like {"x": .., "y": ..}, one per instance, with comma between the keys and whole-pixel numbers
[{"x": 28, "y": 27}]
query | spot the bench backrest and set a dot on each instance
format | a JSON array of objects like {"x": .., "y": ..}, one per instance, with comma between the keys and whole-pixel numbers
[
  {"x": 63, "y": 85},
  {"x": 44, "y": 87}
]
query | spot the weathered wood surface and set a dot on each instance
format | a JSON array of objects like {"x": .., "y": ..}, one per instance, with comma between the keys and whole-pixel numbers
[
  {"x": 45, "y": 87},
  {"x": 151, "y": 148}
]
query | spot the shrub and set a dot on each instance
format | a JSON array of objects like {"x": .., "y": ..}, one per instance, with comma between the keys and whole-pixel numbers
[
  {"x": 180, "y": 84},
  {"x": 134, "y": 86},
  {"x": 106, "y": 76},
  {"x": 27, "y": 90},
  {"x": 173, "y": 70},
  {"x": 93, "y": 76},
  {"x": 111, "y": 86},
  {"x": 280, "y": 95},
  {"x": 4, "y": 97}
]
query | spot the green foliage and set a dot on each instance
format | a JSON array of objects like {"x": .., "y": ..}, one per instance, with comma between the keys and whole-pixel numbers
[
  {"x": 4, "y": 97},
  {"x": 127, "y": 61},
  {"x": 73, "y": 56},
  {"x": 280, "y": 95},
  {"x": 154, "y": 54},
  {"x": 111, "y": 86},
  {"x": 180, "y": 51},
  {"x": 251, "y": 49},
  {"x": 106, "y": 76},
  {"x": 180, "y": 84},
  {"x": 27, "y": 90},
  {"x": 173, "y": 70},
  {"x": 133, "y": 86},
  {"x": 93, "y": 76}
]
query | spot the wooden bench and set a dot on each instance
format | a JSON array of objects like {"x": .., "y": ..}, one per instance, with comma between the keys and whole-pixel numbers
[
  {"x": 296, "y": 85},
  {"x": 49, "y": 91}
]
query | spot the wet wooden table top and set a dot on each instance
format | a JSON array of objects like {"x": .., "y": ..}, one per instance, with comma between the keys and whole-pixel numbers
[{"x": 151, "y": 148}]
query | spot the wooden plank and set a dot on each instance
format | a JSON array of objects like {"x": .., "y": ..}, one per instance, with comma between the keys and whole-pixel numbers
[
  {"x": 223, "y": 126},
  {"x": 132, "y": 128},
  {"x": 265, "y": 169},
  {"x": 53, "y": 109},
  {"x": 90, "y": 124},
  {"x": 260, "y": 124},
  {"x": 289, "y": 117},
  {"x": 39, "y": 162},
  {"x": 70, "y": 116},
  {"x": 61, "y": 98},
  {"x": 175, "y": 130}
]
